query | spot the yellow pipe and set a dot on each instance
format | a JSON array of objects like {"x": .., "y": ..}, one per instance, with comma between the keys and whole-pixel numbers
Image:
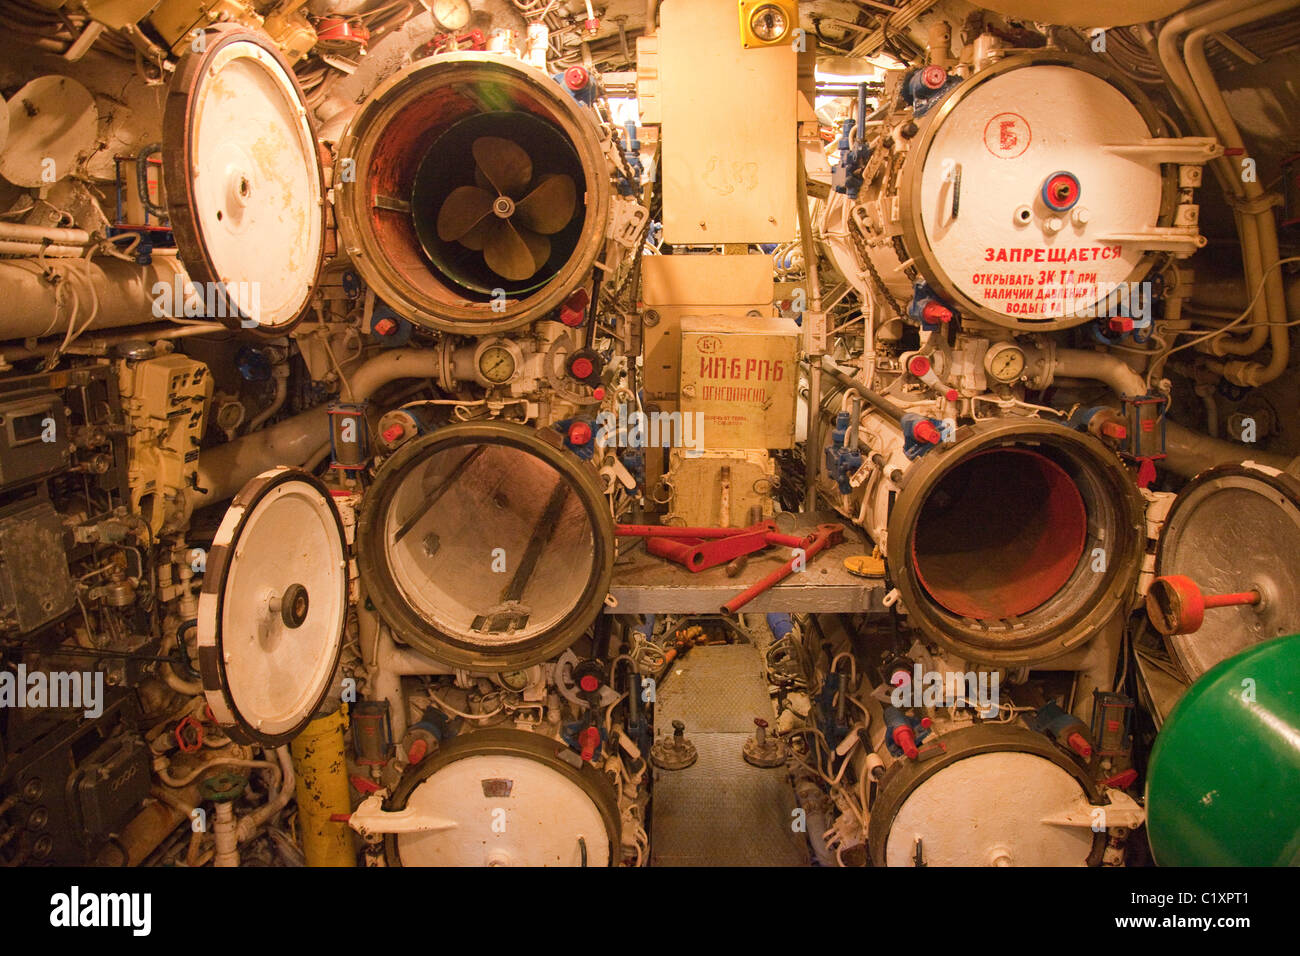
[{"x": 322, "y": 787}]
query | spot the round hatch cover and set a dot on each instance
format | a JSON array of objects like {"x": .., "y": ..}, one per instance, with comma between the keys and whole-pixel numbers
[
  {"x": 1235, "y": 528},
  {"x": 973, "y": 202},
  {"x": 47, "y": 125},
  {"x": 243, "y": 178},
  {"x": 514, "y": 801},
  {"x": 273, "y": 606}
]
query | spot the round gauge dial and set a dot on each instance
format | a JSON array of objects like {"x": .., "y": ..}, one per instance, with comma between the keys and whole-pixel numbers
[
  {"x": 1005, "y": 362},
  {"x": 514, "y": 680},
  {"x": 451, "y": 14},
  {"x": 769, "y": 23},
  {"x": 497, "y": 363}
]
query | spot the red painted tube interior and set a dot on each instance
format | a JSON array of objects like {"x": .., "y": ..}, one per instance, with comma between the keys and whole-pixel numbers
[{"x": 1000, "y": 534}]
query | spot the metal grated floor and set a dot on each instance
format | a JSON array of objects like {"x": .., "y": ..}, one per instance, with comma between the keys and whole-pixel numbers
[{"x": 720, "y": 811}]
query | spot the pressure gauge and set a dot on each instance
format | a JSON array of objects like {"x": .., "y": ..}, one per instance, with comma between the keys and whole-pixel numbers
[
  {"x": 1005, "y": 361},
  {"x": 451, "y": 14},
  {"x": 497, "y": 361},
  {"x": 769, "y": 23},
  {"x": 516, "y": 681}
]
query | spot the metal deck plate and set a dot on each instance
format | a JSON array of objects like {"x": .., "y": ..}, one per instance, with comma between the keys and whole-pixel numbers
[
  {"x": 645, "y": 584},
  {"x": 720, "y": 811}
]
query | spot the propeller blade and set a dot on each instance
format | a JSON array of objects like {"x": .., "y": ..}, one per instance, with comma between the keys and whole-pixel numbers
[
  {"x": 515, "y": 254},
  {"x": 504, "y": 163},
  {"x": 538, "y": 246},
  {"x": 549, "y": 207},
  {"x": 465, "y": 208},
  {"x": 477, "y": 237}
]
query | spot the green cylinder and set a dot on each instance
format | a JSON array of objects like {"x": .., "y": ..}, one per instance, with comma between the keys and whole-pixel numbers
[{"x": 1223, "y": 786}]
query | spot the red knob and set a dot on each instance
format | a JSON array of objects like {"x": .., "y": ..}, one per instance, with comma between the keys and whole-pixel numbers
[
  {"x": 952, "y": 395},
  {"x": 589, "y": 683},
  {"x": 933, "y": 312},
  {"x": 598, "y": 393},
  {"x": 1121, "y": 323},
  {"x": 581, "y": 368},
  {"x": 906, "y": 740},
  {"x": 579, "y": 433},
  {"x": 918, "y": 365},
  {"x": 589, "y": 740},
  {"x": 417, "y": 751},
  {"x": 1079, "y": 745},
  {"x": 575, "y": 78},
  {"x": 393, "y": 433},
  {"x": 934, "y": 77},
  {"x": 385, "y": 327},
  {"x": 926, "y": 432},
  {"x": 1114, "y": 430},
  {"x": 574, "y": 310}
]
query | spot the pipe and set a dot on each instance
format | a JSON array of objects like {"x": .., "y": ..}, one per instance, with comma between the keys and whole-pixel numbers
[
  {"x": 224, "y": 832},
  {"x": 100, "y": 344},
  {"x": 322, "y": 791},
  {"x": 389, "y": 366},
  {"x": 250, "y": 823},
  {"x": 874, "y": 399},
  {"x": 22, "y": 232},
  {"x": 171, "y": 637},
  {"x": 281, "y": 372},
  {"x": 1196, "y": 89},
  {"x": 1256, "y": 204},
  {"x": 1187, "y": 452},
  {"x": 1105, "y": 367},
  {"x": 125, "y": 291},
  {"x": 150, "y": 826},
  {"x": 224, "y": 469},
  {"x": 812, "y": 345},
  {"x": 13, "y": 247}
]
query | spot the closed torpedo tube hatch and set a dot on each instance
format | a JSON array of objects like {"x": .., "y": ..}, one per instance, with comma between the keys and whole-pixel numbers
[{"x": 472, "y": 193}]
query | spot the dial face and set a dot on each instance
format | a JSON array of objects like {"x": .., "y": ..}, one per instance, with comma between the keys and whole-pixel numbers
[
  {"x": 496, "y": 364},
  {"x": 513, "y": 680},
  {"x": 769, "y": 23},
  {"x": 451, "y": 14},
  {"x": 1006, "y": 364}
]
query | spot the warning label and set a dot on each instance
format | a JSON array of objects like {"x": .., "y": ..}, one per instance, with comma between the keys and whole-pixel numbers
[{"x": 1041, "y": 291}]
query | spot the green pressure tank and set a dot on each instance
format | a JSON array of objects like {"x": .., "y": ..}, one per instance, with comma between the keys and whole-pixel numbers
[{"x": 1223, "y": 786}]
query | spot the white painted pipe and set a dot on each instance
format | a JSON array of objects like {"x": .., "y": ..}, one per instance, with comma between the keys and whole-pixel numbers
[
  {"x": 124, "y": 289},
  {"x": 38, "y": 234},
  {"x": 389, "y": 366},
  {"x": 250, "y": 823},
  {"x": 223, "y": 831},
  {"x": 224, "y": 469},
  {"x": 1187, "y": 452},
  {"x": 14, "y": 247}
]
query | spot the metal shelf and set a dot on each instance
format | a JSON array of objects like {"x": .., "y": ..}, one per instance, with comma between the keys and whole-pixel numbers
[{"x": 645, "y": 584}]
